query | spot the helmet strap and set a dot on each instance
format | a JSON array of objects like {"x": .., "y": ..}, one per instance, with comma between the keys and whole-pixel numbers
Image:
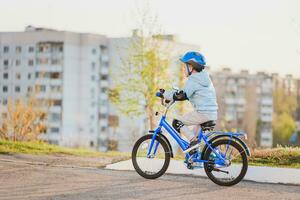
[{"x": 187, "y": 69}]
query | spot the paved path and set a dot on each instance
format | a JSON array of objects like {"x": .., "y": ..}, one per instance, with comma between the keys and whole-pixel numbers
[
  {"x": 19, "y": 181},
  {"x": 258, "y": 174}
]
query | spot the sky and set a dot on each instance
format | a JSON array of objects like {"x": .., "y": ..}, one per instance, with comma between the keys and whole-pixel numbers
[{"x": 258, "y": 35}]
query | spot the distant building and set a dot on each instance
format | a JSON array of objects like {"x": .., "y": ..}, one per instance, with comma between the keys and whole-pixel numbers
[
  {"x": 70, "y": 70},
  {"x": 245, "y": 103}
]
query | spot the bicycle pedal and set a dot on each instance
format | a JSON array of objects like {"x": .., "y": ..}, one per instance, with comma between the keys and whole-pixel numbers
[{"x": 190, "y": 166}]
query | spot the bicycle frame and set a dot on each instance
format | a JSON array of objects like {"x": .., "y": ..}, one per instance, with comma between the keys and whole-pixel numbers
[
  {"x": 184, "y": 144},
  {"x": 181, "y": 142}
]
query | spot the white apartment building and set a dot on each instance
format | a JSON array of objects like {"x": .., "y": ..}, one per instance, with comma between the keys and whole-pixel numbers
[
  {"x": 246, "y": 103},
  {"x": 71, "y": 70}
]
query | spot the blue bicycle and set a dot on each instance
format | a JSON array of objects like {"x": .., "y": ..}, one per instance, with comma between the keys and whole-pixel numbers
[{"x": 223, "y": 154}]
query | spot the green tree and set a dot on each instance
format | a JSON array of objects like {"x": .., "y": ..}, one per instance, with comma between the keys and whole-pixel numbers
[
  {"x": 283, "y": 123},
  {"x": 284, "y": 103},
  {"x": 284, "y": 126},
  {"x": 143, "y": 70}
]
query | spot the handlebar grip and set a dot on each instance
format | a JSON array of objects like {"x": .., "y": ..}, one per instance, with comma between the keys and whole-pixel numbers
[
  {"x": 159, "y": 94},
  {"x": 162, "y": 90}
]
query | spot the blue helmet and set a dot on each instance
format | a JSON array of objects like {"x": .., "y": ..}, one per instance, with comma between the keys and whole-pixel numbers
[{"x": 195, "y": 59}]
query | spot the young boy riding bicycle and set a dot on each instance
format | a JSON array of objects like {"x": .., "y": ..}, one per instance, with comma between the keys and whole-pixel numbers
[{"x": 199, "y": 91}]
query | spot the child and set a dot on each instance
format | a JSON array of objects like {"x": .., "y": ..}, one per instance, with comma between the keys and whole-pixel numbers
[{"x": 199, "y": 90}]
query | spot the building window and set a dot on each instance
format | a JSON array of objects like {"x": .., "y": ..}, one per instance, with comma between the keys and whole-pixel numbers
[
  {"x": 18, "y": 49},
  {"x": 5, "y": 76},
  {"x": 4, "y": 115},
  {"x": 57, "y": 102},
  {"x": 18, "y": 76},
  {"x": 29, "y": 89},
  {"x": 94, "y": 51},
  {"x": 55, "y": 117},
  {"x": 93, "y": 66},
  {"x": 5, "y": 88},
  {"x": 55, "y": 88},
  {"x": 30, "y": 49},
  {"x": 30, "y": 62},
  {"x": 104, "y": 77},
  {"x": 43, "y": 61},
  {"x": 103, "y": 90},
  {"x": 61, "y": 48},
  {"x": 5, "y": 62},
  {"x": 56, "y": 61},
  {"x": 55, "y": 142},
  {"x": 91, "y": 143},
  {"x": 17, "y": 89},
  {"x": 105, "y": 64},
  {"x": 55, "y": 75},
  {"x": 29, "y": 76},
  {"x": 43, "y": 48},
  {"x": 5, "y": 49},
  {"x": 18, "y": 62},
  {"x": 54, "y": 130},
  {"x": 102, "y": 116},
  {"x": 40, "y": 88},
  {"x": 4, "y": 102}
]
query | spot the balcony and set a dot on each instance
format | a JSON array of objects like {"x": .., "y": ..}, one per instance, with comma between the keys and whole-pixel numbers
[
  {"x": 104, "y": 83},
  {"x": 103, "y": 96},
  {"x": 55, "y": 109},
  {"x": 103, "y": 123},
  {"x": 49, "y": 95},
  {"x": 266, "y": 110},
  {"x": 48, "y": 81},
  {"x": 49, "y": 68},
  {"x": 103, "y": 109},
  {"x": 104, "y": 71},
  {"x": 265, "y": 118},
  {"x": 267, "y": 101},
  {"x": 104, "y": 58}
]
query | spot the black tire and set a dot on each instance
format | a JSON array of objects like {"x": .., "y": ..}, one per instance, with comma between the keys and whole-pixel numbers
[
  {"x": 166, "y": 162},
  {"x": 244, "y": 163}
]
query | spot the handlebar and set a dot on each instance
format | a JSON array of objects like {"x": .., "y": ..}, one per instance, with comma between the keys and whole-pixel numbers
[{"x": 160, "y": 94}]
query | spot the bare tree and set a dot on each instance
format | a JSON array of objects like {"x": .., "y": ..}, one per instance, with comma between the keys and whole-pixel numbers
[{"x": 25, "y": 121}]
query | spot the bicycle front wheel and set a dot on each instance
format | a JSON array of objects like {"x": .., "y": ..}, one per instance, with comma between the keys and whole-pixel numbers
[
  {"x": 231, "y": 168},
  {"x": 154, "y": 165}
]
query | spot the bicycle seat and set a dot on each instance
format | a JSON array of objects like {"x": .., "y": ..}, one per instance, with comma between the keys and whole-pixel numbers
[{"x": 208, "y": 126}]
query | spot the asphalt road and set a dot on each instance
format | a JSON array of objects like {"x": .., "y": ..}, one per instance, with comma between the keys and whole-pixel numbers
[{"x": 26, "y": 181}]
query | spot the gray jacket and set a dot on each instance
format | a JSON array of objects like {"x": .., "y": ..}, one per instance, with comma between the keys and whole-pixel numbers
[{"x": 201, "y": 94}]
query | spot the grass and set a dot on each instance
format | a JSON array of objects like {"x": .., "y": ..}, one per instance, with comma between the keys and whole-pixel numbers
[
  {"x": 275, "y": 157},
  {"x": 42, "y": 148}
]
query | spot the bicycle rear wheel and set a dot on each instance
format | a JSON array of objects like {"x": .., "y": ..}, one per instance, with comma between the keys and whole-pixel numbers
[
  {"x": 157, "y": 163},
  {"x": 232, "y": 169}
]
